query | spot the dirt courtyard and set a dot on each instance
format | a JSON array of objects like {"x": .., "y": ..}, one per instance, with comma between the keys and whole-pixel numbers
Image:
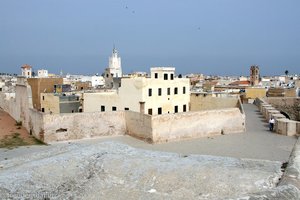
[{"x": 12, "y": 133}]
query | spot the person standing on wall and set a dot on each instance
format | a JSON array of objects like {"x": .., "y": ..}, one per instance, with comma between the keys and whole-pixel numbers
[{"x": 271, "y": 123}]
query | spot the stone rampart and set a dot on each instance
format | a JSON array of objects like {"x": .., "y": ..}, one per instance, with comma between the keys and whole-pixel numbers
[
  {"x": 283, "y": 125},
  {"x": 171, "y": 127},
  {"x": 72, "y": 126},
  {"x": 139, "y": 125},
  {"x": 288, "y": 105},
  {"x": 159, "y": 128}
]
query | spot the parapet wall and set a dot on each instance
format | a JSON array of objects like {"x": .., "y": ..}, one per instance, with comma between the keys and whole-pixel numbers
[
  {"x": 179, "y": 126},
  {"x": 139, "y": 125},
  {"x": 72, "y": 126},
  {"x": 289, "y": 105},
  {"x": 199, "y": 102},
  {"x": 283, "y": 125}
]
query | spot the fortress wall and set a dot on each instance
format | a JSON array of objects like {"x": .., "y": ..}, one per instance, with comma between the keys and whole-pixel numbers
[
  {"x": 36, "y": 124},
  {"x": 139, "y": 125},
  {"x": 179, "y": 126},
  {"x": 71, "y": 126},
  {"x": 199, "y": 102}
]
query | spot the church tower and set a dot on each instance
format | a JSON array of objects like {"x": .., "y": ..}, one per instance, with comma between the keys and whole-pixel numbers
[{"x": 254, "y": 75}]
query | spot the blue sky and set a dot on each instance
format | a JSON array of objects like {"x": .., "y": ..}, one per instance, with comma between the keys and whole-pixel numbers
[{"x": 212, "y": 37}]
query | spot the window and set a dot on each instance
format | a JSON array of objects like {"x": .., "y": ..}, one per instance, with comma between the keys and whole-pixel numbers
[
  {"x": 183, "y": 90},
  {"x": 176, "y": 109},
  {"x": 114, "y": 108},
  {"x": 165, "y": 76},
  {"x": 43, "y": 109},
  {"x": 102, "y": 108},
  {"x": 150, "y": 111},
  {"x": 169, "y": 91},
  {"x": 43, "y": 98},
  {"x": 149, "y": 92},
  {"x": 184, "y": 108},
  {"x": 126, "y": 108},
  {"x": 156, "y": 75},
  {"x": 159, "y": 91},
  {"x": 159, "y": 111},
  {"x": 172, "y": 76},
  {"x": 175, "y": 90}
]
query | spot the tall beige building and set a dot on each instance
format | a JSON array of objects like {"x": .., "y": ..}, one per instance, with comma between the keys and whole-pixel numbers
[
  {"x": 159, "y": 94},
  {"x": 254, "y": 75}
]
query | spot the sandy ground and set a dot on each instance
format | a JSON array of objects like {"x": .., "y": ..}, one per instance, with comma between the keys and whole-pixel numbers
[
  {"x": 8, "y": 126},
  {"x": 9, "y": 129}
]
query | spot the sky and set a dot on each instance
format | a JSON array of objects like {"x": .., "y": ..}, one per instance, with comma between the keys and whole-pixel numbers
[{"x": 213, "y": 37}]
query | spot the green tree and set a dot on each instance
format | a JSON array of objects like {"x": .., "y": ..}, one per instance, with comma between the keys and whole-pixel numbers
[{"x": 286, "y": 72}]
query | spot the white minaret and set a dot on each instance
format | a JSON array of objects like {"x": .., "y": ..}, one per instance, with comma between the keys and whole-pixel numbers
[{"x": 115, "y": 64}]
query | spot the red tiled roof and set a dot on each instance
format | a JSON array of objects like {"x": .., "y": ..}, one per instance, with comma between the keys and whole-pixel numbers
[{"x": 240, "y": 83}]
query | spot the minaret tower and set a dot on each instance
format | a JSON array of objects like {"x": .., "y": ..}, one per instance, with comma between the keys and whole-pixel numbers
[
  {"x": 115, "y": 64},
  {"x": 254, "y": 75}
]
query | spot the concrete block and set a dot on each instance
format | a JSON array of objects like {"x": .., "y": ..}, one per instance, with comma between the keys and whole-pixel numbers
[
  {"x": 266, "y": 109},
  {"x": 286, "y": 127},
  {"x": 270, "y": 113},
  {"x": 262, "y": 105}
]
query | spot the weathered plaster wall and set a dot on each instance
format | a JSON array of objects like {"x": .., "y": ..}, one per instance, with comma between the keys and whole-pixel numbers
[
  {"x": 197, "y": 124},
  {"x": 199, "y": 102},
  {"x": 36, "y": 124},
  {"x": 71, "y": 126},
  {"x": 289, "y": 105},
  {"x": 139, "y": 125}
]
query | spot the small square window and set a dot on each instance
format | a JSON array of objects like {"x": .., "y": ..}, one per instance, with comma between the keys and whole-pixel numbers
[
  {"x": 126, "y": 108},
  {"x": 114, "y": 108}
]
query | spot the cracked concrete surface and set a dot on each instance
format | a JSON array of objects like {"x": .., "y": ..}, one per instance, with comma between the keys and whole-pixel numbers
[{"x": 111, "y": 170}]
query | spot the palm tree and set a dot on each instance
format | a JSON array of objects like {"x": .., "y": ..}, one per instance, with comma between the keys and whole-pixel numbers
[{"x": 286, "y": 72}]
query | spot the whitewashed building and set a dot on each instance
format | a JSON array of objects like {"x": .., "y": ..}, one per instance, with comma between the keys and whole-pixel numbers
[
  {"x": 42, "y": 73},
  {"x": 26, "y": 71},
  {"x": 159, "y": 94}
]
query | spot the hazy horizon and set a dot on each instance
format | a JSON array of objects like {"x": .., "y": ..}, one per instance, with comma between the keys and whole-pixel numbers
[{"x": 214, "y": 37}]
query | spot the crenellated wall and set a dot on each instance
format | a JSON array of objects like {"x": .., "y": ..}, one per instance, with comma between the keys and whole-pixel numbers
[{"x": 283, "y": 125}]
